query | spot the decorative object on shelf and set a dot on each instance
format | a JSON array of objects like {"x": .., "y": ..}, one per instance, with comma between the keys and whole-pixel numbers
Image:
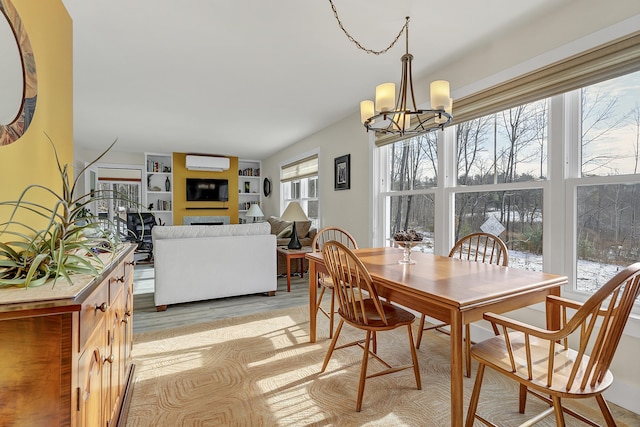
[
  {"x": 387, "y": 117},
  {"x": 247, "y": 187},
  {"x": 167, "y": 184},
  {"x": 342, "y": 172},
  {"x": 266, "y": 187},
  {"x": 255, "y": 212},
  {"x": 68, "y": 243},
  {"x": 294, "y": 213},
  {"x": 407, "y": 240}
]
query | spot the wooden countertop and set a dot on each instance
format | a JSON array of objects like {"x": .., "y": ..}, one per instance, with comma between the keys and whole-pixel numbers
[{"x": 62, "y": 293}]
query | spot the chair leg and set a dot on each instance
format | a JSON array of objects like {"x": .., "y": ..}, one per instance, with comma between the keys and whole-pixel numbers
[
  {"x": 606, "y": 412},
  {"x": 363, "y": 372},
  {"x": 414, "y": 356},
  {"x": 467, "y": 350},
  {"x": 332, "y": 346},
  {"x": 375, "y": 342},
  {"x": 332, "y": 313},
  {"x": 420, "y": 331},
  {"x": 522, "y": 399},
  {"x": 475, "y": 396},
  {"x": 319, "y": 301},
  {"x": 557, "y": 410}
]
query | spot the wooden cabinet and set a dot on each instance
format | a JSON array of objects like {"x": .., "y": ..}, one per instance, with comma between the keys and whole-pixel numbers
[{"x": 65, "y": 353}]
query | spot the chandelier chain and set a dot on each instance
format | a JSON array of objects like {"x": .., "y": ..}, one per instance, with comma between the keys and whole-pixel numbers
[{"x": 404, "y": 28}]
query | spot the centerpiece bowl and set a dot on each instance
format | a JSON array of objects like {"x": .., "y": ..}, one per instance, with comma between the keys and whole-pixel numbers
[{"x": 407, "y": 246}]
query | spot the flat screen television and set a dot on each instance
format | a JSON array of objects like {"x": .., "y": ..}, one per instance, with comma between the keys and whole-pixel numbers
[{"x": 207, "y": 190}]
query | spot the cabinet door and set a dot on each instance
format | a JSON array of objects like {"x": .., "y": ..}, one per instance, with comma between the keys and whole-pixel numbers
[
  {"x": 90, "y": 381},
  {"x": 127, "y": 321},
  {"x": 113, "y": 362}
]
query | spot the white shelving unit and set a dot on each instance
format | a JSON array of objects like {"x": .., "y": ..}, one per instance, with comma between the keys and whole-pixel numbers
[
  {"x": 159, "y": 186},
  {"x": 249, "y": 190}
]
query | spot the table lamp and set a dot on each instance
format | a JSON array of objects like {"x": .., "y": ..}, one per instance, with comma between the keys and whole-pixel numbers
[
  {"x": 294, "y": 213},
  {"x": 254, "y": 211}
]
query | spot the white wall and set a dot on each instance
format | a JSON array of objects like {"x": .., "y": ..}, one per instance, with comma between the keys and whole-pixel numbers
[
  {"x": 343, "y": 208},
  {"x": 580, "y": 25}
]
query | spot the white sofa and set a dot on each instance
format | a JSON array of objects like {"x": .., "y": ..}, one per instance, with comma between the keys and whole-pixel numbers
[{"x": 200, "y": 262}]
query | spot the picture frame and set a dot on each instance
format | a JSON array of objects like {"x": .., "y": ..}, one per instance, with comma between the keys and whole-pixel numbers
[{"x": 342, "y": 172}]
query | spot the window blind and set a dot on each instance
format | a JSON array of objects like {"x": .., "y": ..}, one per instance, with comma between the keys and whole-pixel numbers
[
  {"x": 613, "y": 59},
  {"x": 302, "y": 168}
]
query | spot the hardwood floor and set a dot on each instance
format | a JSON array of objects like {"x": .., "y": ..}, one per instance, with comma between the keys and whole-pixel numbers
[{"x": 146, "y": 318}]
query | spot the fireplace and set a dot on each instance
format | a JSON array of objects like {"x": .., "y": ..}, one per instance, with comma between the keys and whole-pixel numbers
[{"x": 206, "y": 220}]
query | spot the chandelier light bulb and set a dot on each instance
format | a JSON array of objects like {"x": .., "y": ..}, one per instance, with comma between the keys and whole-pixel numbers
[
  {"x": 448, "y": 109},
  {"x": 366, "y": 110},
  {"x": 402, "y": 121},
  {"x": 385, "y": 97},
  {"x": 440, "y": 94}
]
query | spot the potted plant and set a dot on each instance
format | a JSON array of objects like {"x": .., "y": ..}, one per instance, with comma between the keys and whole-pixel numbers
[{"x": 68, "y": 244}]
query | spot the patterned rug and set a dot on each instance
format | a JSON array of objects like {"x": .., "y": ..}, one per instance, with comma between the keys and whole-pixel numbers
[{"x": 261, "y": 370}]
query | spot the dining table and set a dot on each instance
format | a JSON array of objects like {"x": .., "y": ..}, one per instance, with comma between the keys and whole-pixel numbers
[{"x": 453, "y": 291}]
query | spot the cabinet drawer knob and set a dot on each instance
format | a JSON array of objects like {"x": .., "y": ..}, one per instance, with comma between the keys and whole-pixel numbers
[
  {"x": 102, "y": 307},
  {"x": 109, "y": 359}
]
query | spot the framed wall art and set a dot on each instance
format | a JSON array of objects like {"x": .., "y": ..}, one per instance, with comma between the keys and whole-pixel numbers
[{"x": 342, "y": 172}]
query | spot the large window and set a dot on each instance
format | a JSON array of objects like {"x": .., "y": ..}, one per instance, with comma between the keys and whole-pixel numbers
[
  {"x": 608, "y": 190},
  {"x": 557, "y": 178},
  {"x": 408, "y": 187},
  {"x": 299, "y": 183}
]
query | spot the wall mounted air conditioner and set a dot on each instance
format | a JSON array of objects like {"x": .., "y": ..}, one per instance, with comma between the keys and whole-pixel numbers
[{"x": 207, "y": 163}]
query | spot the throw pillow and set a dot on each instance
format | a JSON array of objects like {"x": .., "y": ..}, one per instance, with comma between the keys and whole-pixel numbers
[
  {"x": 302, "y": 227},
  {"x": 277, "y": 225},
  {"x": 285, "y": 233}
]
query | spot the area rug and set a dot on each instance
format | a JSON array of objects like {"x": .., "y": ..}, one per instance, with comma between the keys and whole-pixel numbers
[{"x": 261, "y": 370}]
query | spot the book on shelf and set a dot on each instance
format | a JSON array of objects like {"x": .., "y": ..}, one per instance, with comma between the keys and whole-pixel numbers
[
  {"x": 163, "y": 205},
  {"x": 249, "y": 172},
  {"x": 153, "y": 166}
]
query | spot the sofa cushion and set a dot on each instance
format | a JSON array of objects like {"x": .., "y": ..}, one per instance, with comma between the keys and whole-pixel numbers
[{"x": 194, "y": 231}]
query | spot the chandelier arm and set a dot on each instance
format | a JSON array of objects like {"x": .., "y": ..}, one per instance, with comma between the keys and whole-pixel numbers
[
  {"x": 404, "y": 28},
  {"x": 413, "y": 98}
]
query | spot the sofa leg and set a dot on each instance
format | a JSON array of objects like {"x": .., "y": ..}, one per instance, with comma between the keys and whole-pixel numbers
[
  {"x": 271, "y": 293},
  {"x": 161, "y": 307}
]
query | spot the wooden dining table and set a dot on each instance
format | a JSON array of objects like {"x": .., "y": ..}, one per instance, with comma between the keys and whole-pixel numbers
[{"x": 450, "y": 290}]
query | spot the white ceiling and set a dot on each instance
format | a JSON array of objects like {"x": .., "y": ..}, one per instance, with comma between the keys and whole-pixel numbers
[{"x": 250, "y": 77}]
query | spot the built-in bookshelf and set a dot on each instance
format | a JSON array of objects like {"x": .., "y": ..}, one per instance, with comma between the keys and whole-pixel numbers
[
  {"x": 248, "y": 187},
  {"x": 159, "y": 186}
]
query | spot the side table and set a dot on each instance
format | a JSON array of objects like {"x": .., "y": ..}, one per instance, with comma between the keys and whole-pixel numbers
[{"x": 290, "y": 254}]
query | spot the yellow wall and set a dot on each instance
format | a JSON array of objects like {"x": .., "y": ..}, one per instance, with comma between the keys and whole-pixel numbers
[
  {"x": 180, "y": 205},
  {"x": 30, "y": 159}
]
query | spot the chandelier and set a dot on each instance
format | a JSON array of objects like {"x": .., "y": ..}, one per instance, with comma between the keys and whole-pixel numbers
[{"x": 400, "y": 115}]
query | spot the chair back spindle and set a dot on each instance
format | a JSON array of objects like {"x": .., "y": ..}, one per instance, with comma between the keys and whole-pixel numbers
[
  {"x": 481, "y": 247},
  {"x": 352, "y": 283}
]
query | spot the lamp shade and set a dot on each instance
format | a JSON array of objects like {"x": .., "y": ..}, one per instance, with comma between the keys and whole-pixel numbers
[
  {"x": 254, "y": 211},
  {"x": 440, "y": 97},
  {"x": 385, "y": 96},
  {"x": 294, "y": 212},
  {"x": 366, "y": 110}
]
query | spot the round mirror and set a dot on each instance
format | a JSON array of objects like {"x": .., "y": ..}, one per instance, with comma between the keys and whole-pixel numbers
[
  {"x": 18, "y": 84},
  {"x": 11, "y": 81}
]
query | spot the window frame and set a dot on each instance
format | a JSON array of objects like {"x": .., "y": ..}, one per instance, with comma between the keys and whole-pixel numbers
[{"x": 303, "y": 198}]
